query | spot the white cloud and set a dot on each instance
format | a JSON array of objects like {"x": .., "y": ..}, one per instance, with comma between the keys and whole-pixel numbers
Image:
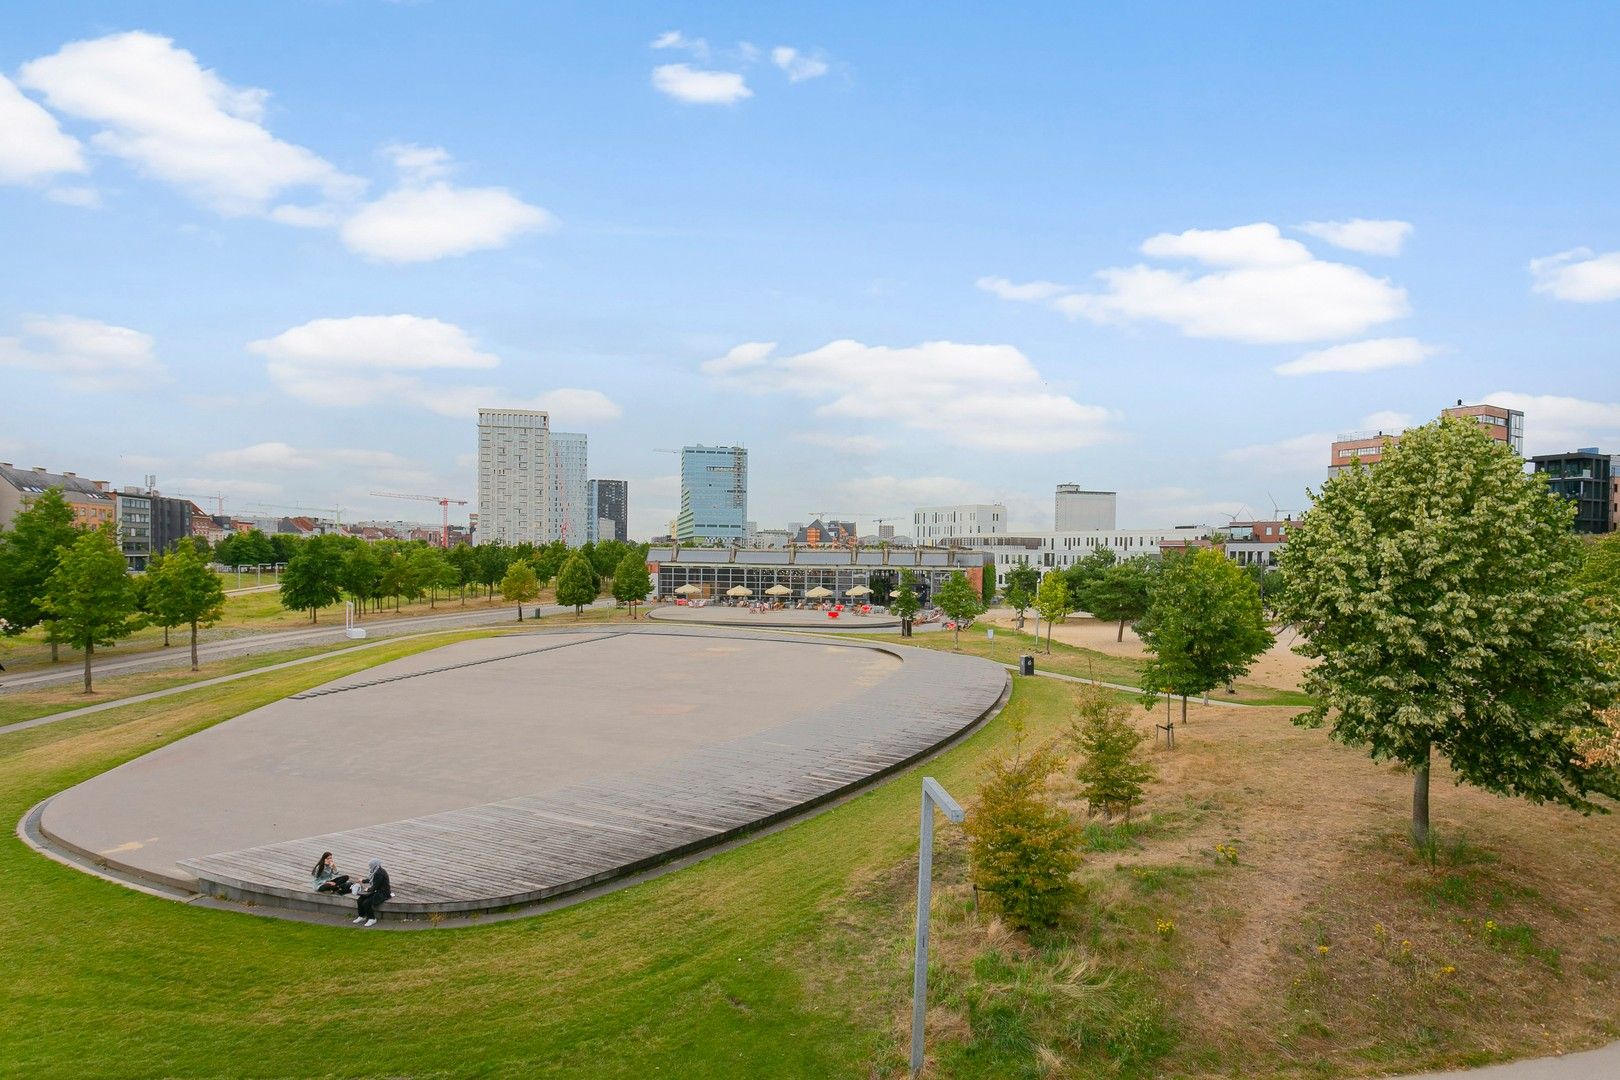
[
  {"x": 1310, "y": 453},
  {"x": 986, "y": 396},
  {"x": 1554, "y": 424},
  {"x": 279, "y": 456},
  {"x": 674, "y": 39},
  {"x": 698, "y": 87},
  {"x": 88, "y": 355},
  {"x": 797, "y": 66},
  {"x": 175, "y": 120},
  {"x": 432, "y": 221},
  {"x": 1387, "y": 420},
  {"x": 1272, "y": 291},
  {"x": 1361, "y": 234},
  {"x": 375, "y": 360},
  {"x": 87, "y": 197},
  {"x": 1360, "y": 356},
  {"x": 1030, "y": 290},
  {"x": 1260, "y": 244},
  {"x": 32, "y": 147},
  {"x": 1264, "y": 289},
  {"x": 855, "y": 445},
  {"x": 741, "y": 357},
  {"x": 375, "y": 341},
  {"x": 1579, "y": 275},
  {"x": 420, "y": 162},
  {"x": 202, "y": 487}
]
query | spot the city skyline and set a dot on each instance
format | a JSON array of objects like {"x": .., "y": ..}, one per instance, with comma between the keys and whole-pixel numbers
[{"x": 1178, "y": 279}]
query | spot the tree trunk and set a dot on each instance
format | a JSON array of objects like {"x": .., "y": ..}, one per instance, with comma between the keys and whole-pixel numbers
[
  {"x": 520, "y": 613},
  {"x": 194, "y": 646},
  {"x": 1183, "y": 710},
  {"x": 55, "y": 657},
  {"x": 1420, "y": 802},
  {"x": 1048, "y": 635},
  {"x": 1121, "y": 635},
  {"x": 165, "y": 637},
  {"x": 89, "y": 649}
]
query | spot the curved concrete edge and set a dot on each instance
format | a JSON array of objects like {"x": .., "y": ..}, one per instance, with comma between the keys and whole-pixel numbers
[
  {"x": 1581, "y": 1065},
  {"x": 299, "y": 904}
]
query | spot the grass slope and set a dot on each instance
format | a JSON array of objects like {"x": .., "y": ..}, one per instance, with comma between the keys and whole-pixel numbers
[{"x": 1324, "y": 949}]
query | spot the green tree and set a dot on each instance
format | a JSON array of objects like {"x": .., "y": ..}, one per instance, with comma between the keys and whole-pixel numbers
[
  {"x": 549, "y": 560},
  {"x": 149, "y": 598},
  {"x": 283, "y": 546},
  {"x": 904, "y": 602},
  {"x": 577, "y": 583},
  {"x": 1024, "y": 577},
  {"x": 1123, "y": 592},
  {"x": 1438, "y": 592},
  {"x": 631, "y": 581},
  {"x": 1111, "y": 771},
  {"x": 251, "y": 548},
  {"x": 959, "y": 600},
  {"x": 493, "y": 560},
  {"x": 312, "y": 578},
  {"x": 432, "y": 570},
  {"x": 89, "y": 598},
  {"x": 29, "y": 554},
  {"x": 1024, "y": 849},
  {"x": 1204, "y": 626},
  {"x": 520, "y": 584},
  {"x": 1053, "y": 602},
  {"x": 1083, "y": 576},
  {"x": 464, "y": 561},
  {"x": 360, "y": 576},
  {"x": 1599, "y": 576},
  {"x": 185, "y": 591}
]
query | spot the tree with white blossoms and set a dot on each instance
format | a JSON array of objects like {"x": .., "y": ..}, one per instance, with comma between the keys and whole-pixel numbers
[{"x": 1437, "y": 591}]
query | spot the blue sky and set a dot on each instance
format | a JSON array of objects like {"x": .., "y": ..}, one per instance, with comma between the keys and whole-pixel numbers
[{"x": 906, "y": 254}]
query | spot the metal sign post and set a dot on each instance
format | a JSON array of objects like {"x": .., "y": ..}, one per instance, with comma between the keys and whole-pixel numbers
[{"x": 933, "y": 796}]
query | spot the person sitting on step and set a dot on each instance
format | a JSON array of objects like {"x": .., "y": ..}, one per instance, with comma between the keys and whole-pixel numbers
[
  {"x": 373, "y": 892},
  {"x": 325, "y": 878}
]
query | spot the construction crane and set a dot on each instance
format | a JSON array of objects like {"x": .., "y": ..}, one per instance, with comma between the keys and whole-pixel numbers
[
  {"x": 444, "y": 502},
  {"x": 335, "y": 511},
  {"x": 218, "y": 500}
]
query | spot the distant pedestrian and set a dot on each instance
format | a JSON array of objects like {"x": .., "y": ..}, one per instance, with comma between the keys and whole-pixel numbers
[{"x": 373, "y": 892}]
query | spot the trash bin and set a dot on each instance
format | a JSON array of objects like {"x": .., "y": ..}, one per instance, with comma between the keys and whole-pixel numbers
[
  {"x": 537, "y": 614},
  {"x": 1026, "y": 664}
]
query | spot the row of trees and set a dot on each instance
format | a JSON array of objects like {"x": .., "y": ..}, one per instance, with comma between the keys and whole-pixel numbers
[
  {"x": 75, "y": 583},
  {"x": 322, "y": 570}
]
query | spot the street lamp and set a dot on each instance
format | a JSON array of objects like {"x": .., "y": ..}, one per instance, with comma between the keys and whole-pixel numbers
[{"x": 932, "y": 796}]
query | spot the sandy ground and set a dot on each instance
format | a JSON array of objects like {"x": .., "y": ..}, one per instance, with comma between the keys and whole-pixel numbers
[{"x": 1279, "y": 667}]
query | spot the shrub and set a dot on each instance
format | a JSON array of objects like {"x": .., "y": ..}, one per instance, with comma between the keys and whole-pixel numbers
[
  {"x": 1023, "y": 847},
  {"x": 1111, "y": 771}
]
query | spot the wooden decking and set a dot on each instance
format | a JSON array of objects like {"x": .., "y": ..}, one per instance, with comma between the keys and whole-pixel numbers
[{"x": 539, "y": 846}]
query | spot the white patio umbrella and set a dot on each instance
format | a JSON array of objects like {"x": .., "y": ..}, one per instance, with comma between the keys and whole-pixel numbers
[
  {"x": 778, "y": 590},
  {"x": 859, "y": 590},
  {"x": 689, "y": 590},
  {"x": 738, "y": 590},
  {"x": 819, "y": 593}
]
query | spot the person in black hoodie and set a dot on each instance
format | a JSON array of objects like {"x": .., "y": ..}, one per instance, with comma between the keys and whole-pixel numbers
[{"x": 376, "y": 891}]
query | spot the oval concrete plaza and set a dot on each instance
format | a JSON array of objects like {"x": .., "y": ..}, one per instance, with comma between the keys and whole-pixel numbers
[{"x": 499, "y": 772}]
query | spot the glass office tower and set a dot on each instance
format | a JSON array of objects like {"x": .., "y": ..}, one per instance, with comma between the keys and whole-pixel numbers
[{"x": 714, "y": 493}]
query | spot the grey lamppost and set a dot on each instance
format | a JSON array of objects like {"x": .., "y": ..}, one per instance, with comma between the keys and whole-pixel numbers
[{"x": 932, "y": 796}]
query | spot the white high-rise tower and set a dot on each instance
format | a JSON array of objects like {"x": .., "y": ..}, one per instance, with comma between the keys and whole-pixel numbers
[{"x": 514, "y": 476}]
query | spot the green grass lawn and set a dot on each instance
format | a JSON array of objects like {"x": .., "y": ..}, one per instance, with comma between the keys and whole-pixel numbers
[
  {"x": 700, "y": 973},
  {"x": 789, "y": 956},
  {"x": 1009, "y": 644}
]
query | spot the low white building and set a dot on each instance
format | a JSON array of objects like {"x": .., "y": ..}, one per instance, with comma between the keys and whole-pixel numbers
[
  {"x": 935, "y": 524},
  {"x": 1059, "y": 550}
]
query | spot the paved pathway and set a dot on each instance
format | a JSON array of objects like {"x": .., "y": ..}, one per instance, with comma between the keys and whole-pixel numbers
[
  {"x": 179, "y": 656},
  {"x": 1601, "y": 1064}
]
